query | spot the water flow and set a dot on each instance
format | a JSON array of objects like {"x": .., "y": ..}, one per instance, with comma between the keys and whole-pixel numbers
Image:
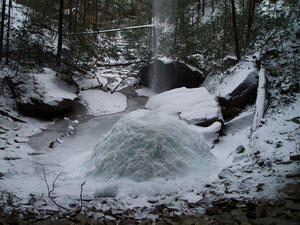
[
  {"x": 163, "y": 27},
  {"x": 163, "y": 31}
]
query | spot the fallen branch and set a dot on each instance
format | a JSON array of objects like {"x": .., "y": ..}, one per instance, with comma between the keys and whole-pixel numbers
[
  {"x": 10, "y": 115},
  {"x": 118, "y": 64},
  {"x": 117, "y": 29},
  {"x": 116, "y": 88},
  {"x": 260, "y": 100}
]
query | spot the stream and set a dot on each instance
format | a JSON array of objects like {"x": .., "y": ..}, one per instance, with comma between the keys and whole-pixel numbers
[{"x": 67, "y": 164}]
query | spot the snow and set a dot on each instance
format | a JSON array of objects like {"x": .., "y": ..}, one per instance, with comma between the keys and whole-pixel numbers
[
  {"x": 191, "y": 104},
  {"x": 261, "y": 99},
  {"x": 54, "y": 89},
  {"x": 147, "y": 144},
  {"x": 101, "y": 103},
  {"x": 210, "y": 134},
  {"x": 145, "y": 92}
]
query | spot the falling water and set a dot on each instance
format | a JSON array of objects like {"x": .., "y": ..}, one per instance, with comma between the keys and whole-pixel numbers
[
  {"x": 163, "y": 26},
  {"x": 161, "y": 37}
]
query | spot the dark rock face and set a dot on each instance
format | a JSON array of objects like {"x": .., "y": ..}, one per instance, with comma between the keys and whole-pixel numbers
[
  {"x": 243, "y": 94},
  {"x": 32, "y": 98},
  {"x": 161, "y": 75},
  {"x": 39, "y": 108}
]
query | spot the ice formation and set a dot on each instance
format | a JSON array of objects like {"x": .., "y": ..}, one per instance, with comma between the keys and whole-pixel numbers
[{"x": 146, "y": 144}]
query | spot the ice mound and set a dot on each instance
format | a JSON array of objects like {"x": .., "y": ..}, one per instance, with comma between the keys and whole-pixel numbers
[{"x": 146, "y": 144}]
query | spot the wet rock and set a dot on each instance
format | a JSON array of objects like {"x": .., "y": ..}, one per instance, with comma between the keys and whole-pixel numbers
[
  {"x": 226, "y": 174},
  {"x": 52, "y": 144},
  {"x": 240, "y": 149},
  {"x": 259, "y": 187},
  {"x": 163, "y": 75},
  {"x": 261, "y": 163}
]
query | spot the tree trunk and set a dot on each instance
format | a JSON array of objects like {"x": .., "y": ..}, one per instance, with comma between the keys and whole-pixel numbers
[
  {"x": 250, "y": 17},
  {"x": 60, "y": 31},
  {"x": 8, "y": 32},
  {"x": 70, "y": 15},
  {"x": 235, "y": 31},
  {"x": 2, "y": 26},
  {"x": 76, "y": 15},
  {"x": 84, "y": 14}
]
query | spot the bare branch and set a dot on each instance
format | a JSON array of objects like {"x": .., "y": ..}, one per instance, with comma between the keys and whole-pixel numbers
[
  {"x": 81, "y": 190},
  {"x": 53, "y": 188}
]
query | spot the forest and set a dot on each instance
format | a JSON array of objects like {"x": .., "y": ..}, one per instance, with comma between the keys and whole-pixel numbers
[{"x": 149, "y": 112}]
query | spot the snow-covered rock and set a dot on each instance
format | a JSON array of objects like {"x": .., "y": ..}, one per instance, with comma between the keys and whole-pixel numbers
[
  {"x": 239, "y": 88},
  {"x": 99, "y": 103},
  {"x": 164, "y": 74},
  {"x": 194, "y": 105},
  {"x": 42, "y": 94},
  {"x": 146, "y": 144}
]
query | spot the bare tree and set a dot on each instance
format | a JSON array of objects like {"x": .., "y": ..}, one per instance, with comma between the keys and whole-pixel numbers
[
  {"x": 235, "y": 31},
  {"x": 8, "y": 31},
  {"x": 2, "y": 25},
  {"x": 60, "y": 31},
  {"x": 250, "y": 9}
]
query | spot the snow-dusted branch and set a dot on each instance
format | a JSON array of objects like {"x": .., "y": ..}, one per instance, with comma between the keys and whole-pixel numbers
[
  {"x": 118, "y": 29},
  {"x": 260, "y": 100},
  {"x": 10, "y": 115}
]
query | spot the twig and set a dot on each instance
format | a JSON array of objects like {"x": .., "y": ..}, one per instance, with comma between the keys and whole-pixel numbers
[
  {"x": 81, "y": 190},
  {"x": 52, "y": 190}
]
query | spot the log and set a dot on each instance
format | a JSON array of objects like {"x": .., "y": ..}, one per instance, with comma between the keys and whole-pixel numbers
[
  {"x": 260, "y": 100},
  {"x": 10, "y": 115},
  {"x": 118, "y": 64},
  {"x": 117, "y": 29}
]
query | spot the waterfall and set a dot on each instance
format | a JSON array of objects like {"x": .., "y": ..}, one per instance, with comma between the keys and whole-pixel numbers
[
  {"x": 162, "y": 19},
  {"x": 162, "y": 36}
]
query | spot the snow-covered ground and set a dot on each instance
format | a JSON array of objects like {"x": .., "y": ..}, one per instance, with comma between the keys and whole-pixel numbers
[
  {"x": 92, "y": 152},
  {"x": 24, "y": 159},
  {"x": 100, "y": 103}
]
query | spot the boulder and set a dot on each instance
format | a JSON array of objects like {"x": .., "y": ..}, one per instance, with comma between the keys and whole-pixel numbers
[
  {"x": 41, "y": 94},
  {"x": 194, "y": 105},
  {"x": 164, "y": 74},
  {"x": 238, "y": 89}
]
